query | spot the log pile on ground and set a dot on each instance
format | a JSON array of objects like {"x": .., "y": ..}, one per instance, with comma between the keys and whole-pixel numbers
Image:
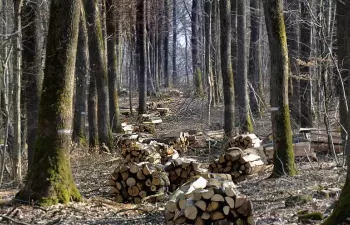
[
  {"x": 179, "y": 141},
  {"x": 150, "y": 118},
  {"x": 239, "y": 163},
  {"x": 245, "y": 141},
  {"x": 135, "y": 183},
  {"x": 180, "y": 171},
  {"x": 167, "y": 153},
  {"x": 124, "y": 141},
  {"x": 139, "y": 152},
  {"x": 145, "y": 128},
  {"x": 205, "y": 201}
]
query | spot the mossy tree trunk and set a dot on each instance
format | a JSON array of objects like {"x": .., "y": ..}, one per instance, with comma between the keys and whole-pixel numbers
[
  {"x": 81, "y": 73},
  {"x": 281, "y": 129},
  {"x": 226, "y": 69},
  {"x": 255, "y": 70},
  {"x": 197, "y": 73},
  {"x": 207, "y": 61},
  {"x": 293, "y": 49},
  {"x": 215, "y": 50},
  {"x": 98, "y": 68},
  {"x": 242, "y": 70},
  {"x": 141, "y": 54},
  {"x": 306, "y": 119},
  {"x": 112, "y": 57},
  {"x": 50, "y": 181}
]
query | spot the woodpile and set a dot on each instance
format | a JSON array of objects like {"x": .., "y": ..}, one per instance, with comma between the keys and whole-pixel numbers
[
  {"x": 145, "y": 128},
  {"x": 124, "y": 141},
  {"x": 245, "y": 141},
  {"x": 180, "y": 171},
  {"x": 238, "y": 163},
  {"x": 135, "y": 183},
  {"x": 167, "y": 153},
  {"x": 205, "y": 201},
  {"x": 139, "y": 152},
  {"x": 178, "y": 140},
  {"x": 163, "y": 111}
]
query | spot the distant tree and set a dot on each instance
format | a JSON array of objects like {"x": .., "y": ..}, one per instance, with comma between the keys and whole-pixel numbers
[
  {"x": 166, "y": 42},
  {"x": 306, "y": 119},
  {"x": 281, "y": 129},
  {"x": 32, "y": 69},
  {"x": 242, "y": 70},
  {"x": 50, "y": 181},
  {"x": 197, "y": 73},
  {"x": 112, "y": 62},
  {"x": 98, "y": 68},
  {"x": 227, "y": 75},
  {"x": 175, "y": 76},
  {"x": 141, "y": 54},
  {"x": 81, "y": 76}
]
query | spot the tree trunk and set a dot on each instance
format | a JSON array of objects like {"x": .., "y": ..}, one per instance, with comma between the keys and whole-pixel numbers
[
  {"x": 112, "y": 57},
  {"x": 197, "y": 73},
  {"x": 92, "y": 114},
  {"x": 342, "y": 209},
  {"x": 343, "y": 64},
  {"x": 166, "y": 43},
  {"x": 17, "y": 62},
  {"x": 175, "y": 78},
  {"x": 226, "y": 69},
  {"x": 293, "y": 50},
  {"x": 208, "y": 67},
  {"x": 215, "y": 50},
  {"x": 255, "y": 70},
  {"x": 50, "y": 181},
  {"x": 306, "y": 119},
  {"x": 141, "y": 54},
  {"x": 98, "y": 69},
  {"x": 282, "y": 135},
  {"x": 82, "y": 73},
  {"x": 242, "y": 75}
]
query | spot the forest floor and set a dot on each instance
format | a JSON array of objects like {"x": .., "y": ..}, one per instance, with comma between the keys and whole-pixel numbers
[{"x": 271, "y": 197}]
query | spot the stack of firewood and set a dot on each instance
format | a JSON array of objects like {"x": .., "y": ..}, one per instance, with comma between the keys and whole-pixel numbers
[
  {"x": 138, "y": 182},
  {"x": 180, "y": 171},
  {"x": 139, "y": 152},
  {"x": 245, "y": 141},
  {"x": 124, "y": 141},
  {"x": 150, "y": 118},
  {"x": 145, "y": 128},
  {"x": 238, "y": 163},
  {"x": 205, "y": 201},
  {"x": 179, "y": 141},
  {"x": 167, "y": 153}
]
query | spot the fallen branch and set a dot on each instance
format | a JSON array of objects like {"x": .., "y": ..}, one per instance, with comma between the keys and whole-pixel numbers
[{"x": 13, "y": 220}]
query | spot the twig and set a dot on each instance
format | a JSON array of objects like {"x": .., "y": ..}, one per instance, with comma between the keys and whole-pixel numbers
[{"x": 13, "y": 220}]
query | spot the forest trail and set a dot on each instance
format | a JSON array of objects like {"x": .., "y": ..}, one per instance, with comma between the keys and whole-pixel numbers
[{"x": 275, "y": 201}]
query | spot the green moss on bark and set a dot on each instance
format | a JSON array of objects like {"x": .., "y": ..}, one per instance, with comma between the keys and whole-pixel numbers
[{"x": 342, "y": 210}]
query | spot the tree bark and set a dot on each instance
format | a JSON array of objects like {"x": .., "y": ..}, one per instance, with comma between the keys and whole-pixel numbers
[
  {"x": 92, "y": 114},
  {"x": 281, "y": 129},
  {"x": 175, "y": 78},
  {"x": 226, "y": 69},
  {"x": 343, "y": 64},
  {"x": 98, "y": 69},
  {"x": 17, "y": 62},
  {"x": 293, "y": 50},
  {"x": 166, "y": 43},
  {"x": 112, "y": 57},
  {"x": 197, "y": 73},
  {"x": 306, "y": 119},
  {"x": 82, "y": 73},
  {"x": 242, "y": 70},
  {"x": 255, "y": 70},
  {"x": 50, "y": 181},
  {"x": 141, "y": 54}
]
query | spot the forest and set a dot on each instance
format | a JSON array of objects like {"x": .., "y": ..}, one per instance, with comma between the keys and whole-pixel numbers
[{"x": 224, "y": 112}]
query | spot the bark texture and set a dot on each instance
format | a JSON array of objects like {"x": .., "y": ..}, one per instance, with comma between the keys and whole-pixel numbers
[
  {"x": 282, "y": 135},
  {"x": 50, "y": 181},
  {"x": 98, "y": 68},
  {"x": 226, "y": 69}
]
